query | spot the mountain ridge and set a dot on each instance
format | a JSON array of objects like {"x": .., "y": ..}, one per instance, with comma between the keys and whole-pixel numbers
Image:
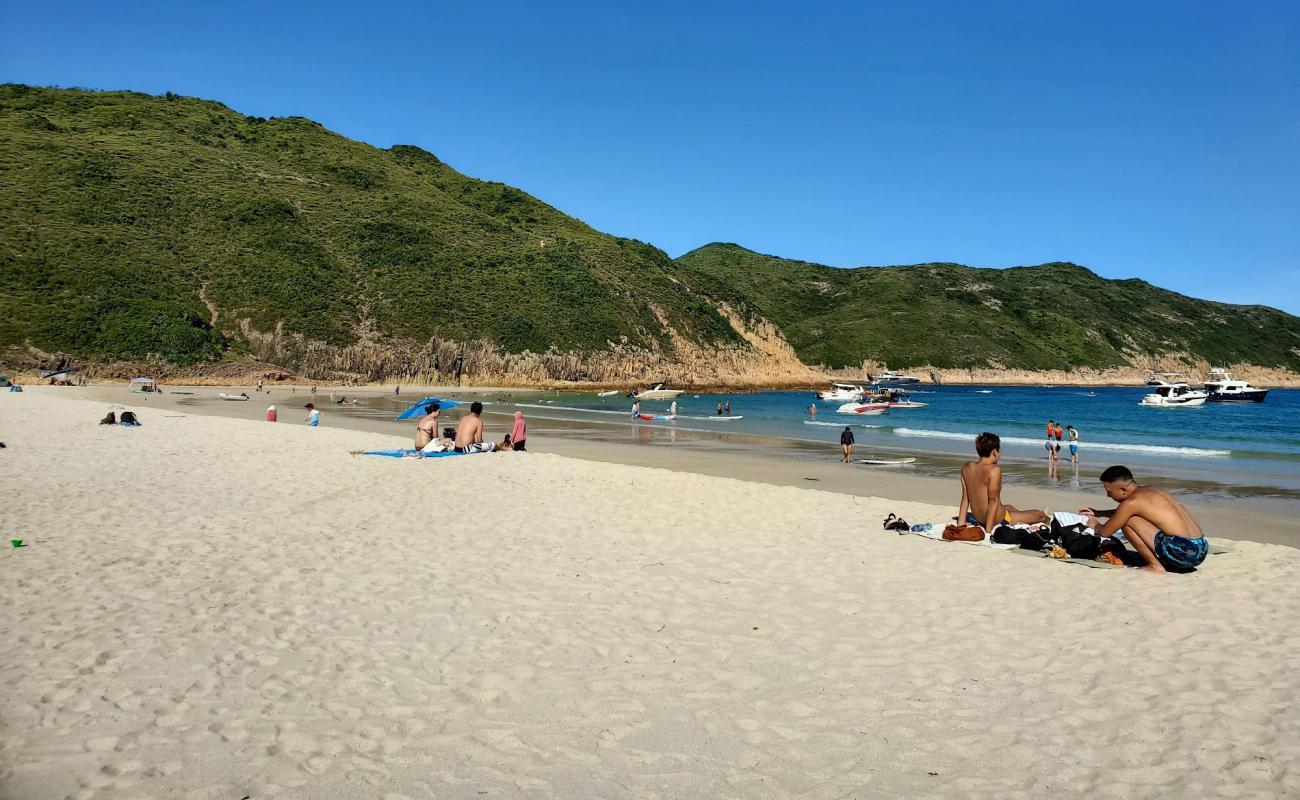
[{"x": 176, "y": 232}]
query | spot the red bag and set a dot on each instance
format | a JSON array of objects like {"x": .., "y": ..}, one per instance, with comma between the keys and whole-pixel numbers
[{"x": 963, "y": 533}]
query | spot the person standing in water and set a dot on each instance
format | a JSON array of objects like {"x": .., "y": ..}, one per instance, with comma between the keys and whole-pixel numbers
[
  {"x": 846, "y": 443},
  {"x": 1074, "y": 444},
  {"x": 719, "y": 408},
  {"x": 812, "y": 410},
  {"x": 636, "y": 409},
  {"x": 727, "y": 408},
  {"x": 672, "y": 409}
]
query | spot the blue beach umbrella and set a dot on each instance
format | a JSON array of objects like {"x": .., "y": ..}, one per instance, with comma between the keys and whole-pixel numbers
[{"x": 418, "y": 410}]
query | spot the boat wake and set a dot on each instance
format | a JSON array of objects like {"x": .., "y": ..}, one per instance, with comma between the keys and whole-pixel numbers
[{"x": 1086, "y": 445}]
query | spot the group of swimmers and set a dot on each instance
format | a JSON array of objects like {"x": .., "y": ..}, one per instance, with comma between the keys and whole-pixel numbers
[
  {"x": 469, "y": 433},
  {"x": 1154, "y": 523}
]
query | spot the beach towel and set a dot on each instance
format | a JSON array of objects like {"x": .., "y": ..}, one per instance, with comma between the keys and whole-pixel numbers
[{"x": 410, "y": 453}]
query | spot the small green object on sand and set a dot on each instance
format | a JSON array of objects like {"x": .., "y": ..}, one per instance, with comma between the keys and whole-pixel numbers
[{"x": 16, "y": 542}]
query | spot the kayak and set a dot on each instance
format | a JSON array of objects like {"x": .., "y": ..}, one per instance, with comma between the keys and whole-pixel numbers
[{"x": 652, "y": 417}]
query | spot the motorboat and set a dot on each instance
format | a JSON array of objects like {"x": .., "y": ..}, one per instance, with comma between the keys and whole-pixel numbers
[
  {"x": 659, "y": 393},
  {"x": 609, "y": 393},
  {"x": 1163, "y": 378},
  {"x": 891, "y": 378},
  {"x": 842, "y": 392},
  {"x": 1223, "y": 388},
  {"x": 865, "y": 409},
  {"x": 1175, "y": 395},
  {"x": 896, "y": 398}
]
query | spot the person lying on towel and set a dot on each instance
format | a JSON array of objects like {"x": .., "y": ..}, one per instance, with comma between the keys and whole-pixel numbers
[
  {"x": 1157, "y": 525},
  {"x": 981, "y": 490},
  {"x": 469, "y": 433}
]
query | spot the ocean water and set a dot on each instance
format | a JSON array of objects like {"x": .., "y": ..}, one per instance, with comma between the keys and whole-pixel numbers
[{"x": 1251, "y": 446}]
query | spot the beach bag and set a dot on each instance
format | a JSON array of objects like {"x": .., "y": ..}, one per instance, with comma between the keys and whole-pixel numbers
[
  {"x": 963, "y": 533},
  {"x": 449, "y": 433},
  {"x": 128, "y": 419},
  {"x": 1005, "y": 534},
  {"x": 109, "y": 419}
]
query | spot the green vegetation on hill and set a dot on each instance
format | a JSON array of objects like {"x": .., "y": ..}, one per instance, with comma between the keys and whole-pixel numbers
[
  {"x": 1045, "y": 317},
  {"x": 135, "y": 226},
  {"x": 122, "y": 213}
]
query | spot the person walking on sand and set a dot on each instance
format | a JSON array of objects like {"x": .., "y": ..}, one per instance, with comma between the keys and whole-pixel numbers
[
  {"x": 519, "y": 432},
  {"x": 313, "y": 416},
  {"x": 981, "y": 490},
  {"x": 846, "y": 443},
  {"x": 1074, "y": 444},
  {"x": 1157, "y": 525}
]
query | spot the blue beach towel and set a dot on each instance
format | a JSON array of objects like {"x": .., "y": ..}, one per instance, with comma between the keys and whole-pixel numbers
[{"x": 405, "y": 453}]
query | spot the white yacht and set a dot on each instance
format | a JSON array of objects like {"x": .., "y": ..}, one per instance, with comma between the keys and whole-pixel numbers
[
  {"x": 842, "y": 392},
  {"x": 659, "y": 393},
  {"x": 1175, "y": 395},
  {"x": 1163, "y": 378},
  {"x": 891, "y": 378},
  {"x": 1224, "y": 388}
]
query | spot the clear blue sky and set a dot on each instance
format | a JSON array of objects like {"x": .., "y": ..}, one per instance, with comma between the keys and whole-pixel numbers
[{"x": 1158, "y": 140}]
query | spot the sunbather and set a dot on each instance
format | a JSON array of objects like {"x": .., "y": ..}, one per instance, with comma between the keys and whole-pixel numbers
[
  {"x": 426, "y": 430},
  {"x": 981, "y": 490},
  {"x": 469, "y": 433},
  {"x": 1157, "y": 525}
]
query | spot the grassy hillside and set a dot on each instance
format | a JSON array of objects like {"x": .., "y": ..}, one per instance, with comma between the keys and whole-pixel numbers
[
  {"x": 946, "y": 315},
  {"x": 122, "y": 213}
]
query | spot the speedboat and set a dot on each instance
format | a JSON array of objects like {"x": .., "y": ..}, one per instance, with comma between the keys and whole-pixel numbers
[
  {"x": 891, "y": 378},
  {"x": 1223, "y": 388},
  {"x": 1175, "y": 395},
  {"x": 659, "y": 393},
  {"x": 896, "y": 398},
  {"x": 843, "y": 392},
  {"x": 609, "y": 393},
  {"x": 865, "y": 409}
]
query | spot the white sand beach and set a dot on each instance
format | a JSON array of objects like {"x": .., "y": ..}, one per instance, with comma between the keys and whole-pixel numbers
[{"x": 218, "y": 608}]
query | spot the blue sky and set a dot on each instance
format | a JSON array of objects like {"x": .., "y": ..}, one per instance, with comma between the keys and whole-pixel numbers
[{"x": 1158, "y": 140}]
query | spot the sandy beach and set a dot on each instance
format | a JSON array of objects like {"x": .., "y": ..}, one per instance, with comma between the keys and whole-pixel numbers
[{"x": 209, "y": 607}]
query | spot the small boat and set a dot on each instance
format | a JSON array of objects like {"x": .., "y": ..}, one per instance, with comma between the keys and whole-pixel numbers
[
  {"x": 842, "y": 392},
  {"x": 896, "y": 398},
  {"x": 865, "y": 409},
  {"x": 659, "y": 393},
  {"x": 891, "y": 378},
  {"x": 224, "y": 396},
  {"x": 1175, "y": 395},
  {"x": 983, "y": 391},
  {"x": 1223, "y": 388},
  {"x": 610, "y": 393}
]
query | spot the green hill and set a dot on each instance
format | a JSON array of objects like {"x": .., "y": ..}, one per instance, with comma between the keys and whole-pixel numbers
[
  {"x": 175, "y": 230},
  {"x": 946, "y": 315},
  {"x": 130, "y": 221}
]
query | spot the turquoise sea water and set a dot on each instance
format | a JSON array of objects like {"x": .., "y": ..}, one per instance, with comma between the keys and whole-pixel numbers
[{"x": 1253, "y": 446}]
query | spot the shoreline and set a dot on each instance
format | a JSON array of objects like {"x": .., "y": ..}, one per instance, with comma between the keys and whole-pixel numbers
[{"x": 796, "y": 464}]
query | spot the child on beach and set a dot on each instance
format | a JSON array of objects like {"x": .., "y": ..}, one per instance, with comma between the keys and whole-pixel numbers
[
  {"x": 313, "y": 416},
  {"x": 981, "y": 489}
]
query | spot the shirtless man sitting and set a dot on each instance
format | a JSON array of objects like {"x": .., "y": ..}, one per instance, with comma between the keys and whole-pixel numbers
[
  {"x": 469, "y": 433},
  {"x": 1157, "y": 525},
  {"x": 981, "y": 489}
]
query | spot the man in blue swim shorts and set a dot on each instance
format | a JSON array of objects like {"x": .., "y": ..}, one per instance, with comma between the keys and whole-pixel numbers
[{"x": 1157, "y": 525}]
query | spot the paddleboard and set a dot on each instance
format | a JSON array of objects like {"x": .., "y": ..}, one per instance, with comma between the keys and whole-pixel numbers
[
  {"x": 886, "y": 462},
  {"x": 724, "y": 419}
]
